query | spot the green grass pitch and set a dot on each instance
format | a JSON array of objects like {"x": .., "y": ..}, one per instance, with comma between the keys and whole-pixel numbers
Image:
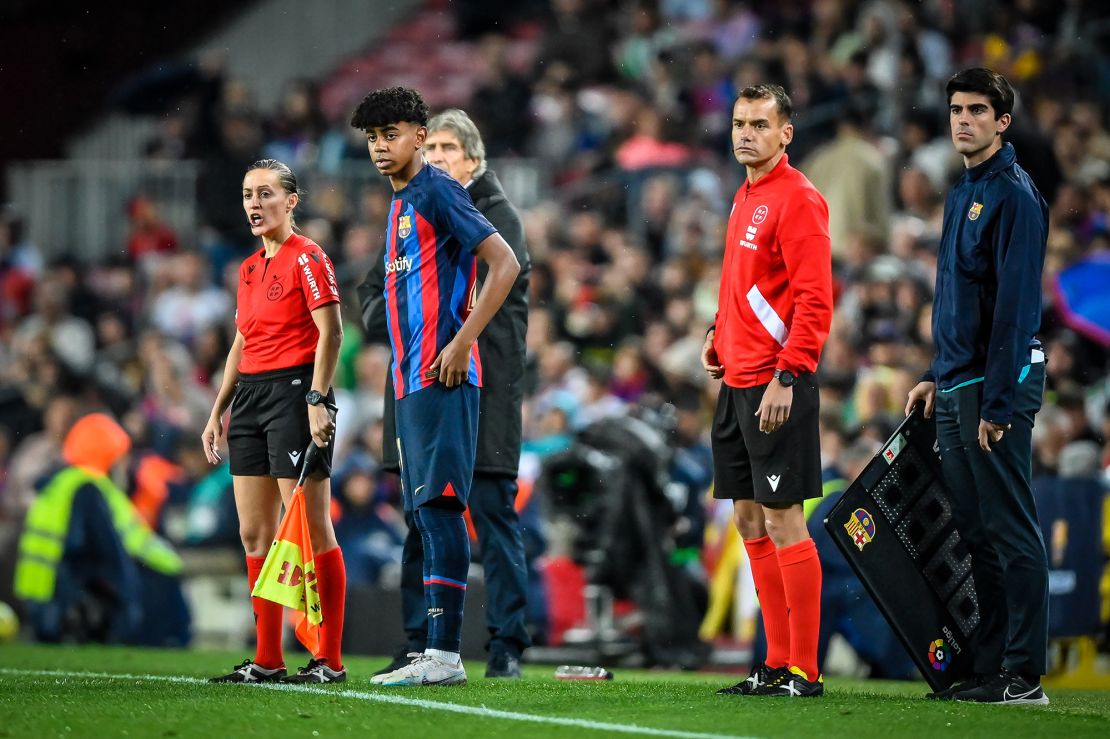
[{"x": 128, "y": 692}]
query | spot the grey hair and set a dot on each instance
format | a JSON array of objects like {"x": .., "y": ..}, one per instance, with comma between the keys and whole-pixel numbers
[{"x": 459, "y": 123}]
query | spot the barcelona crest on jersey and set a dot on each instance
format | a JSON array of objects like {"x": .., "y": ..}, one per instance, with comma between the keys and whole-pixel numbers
[{"x": 404, "y": 226}]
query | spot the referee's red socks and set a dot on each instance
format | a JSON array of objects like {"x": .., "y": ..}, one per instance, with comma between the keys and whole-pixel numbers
[
  {"x": 767, "y": 574},
  {"x": 331, "y": 582},
  {"x": 801, "y": 579},
  {"x": 267, "y": 622}
]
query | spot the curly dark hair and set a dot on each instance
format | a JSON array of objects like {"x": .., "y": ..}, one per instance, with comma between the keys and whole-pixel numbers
[{"x": 393, "y": 105}]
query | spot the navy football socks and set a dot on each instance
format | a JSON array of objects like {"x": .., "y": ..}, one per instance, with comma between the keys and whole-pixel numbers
[{"x": 446, "y": 562}]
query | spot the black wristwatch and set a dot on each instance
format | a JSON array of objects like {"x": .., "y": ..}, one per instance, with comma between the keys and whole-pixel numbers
[
  {"x": 315, "y": 397},
  {"x": 785, "y": 377}
]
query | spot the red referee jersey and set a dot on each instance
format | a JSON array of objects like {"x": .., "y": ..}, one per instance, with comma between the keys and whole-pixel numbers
[
  {"x": 775, "y": 304},
  {"x": 274, "y": 304}
]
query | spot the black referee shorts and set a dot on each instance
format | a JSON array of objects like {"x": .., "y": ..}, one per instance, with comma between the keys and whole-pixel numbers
[
  {"x": 269, "y": 429},
  {"x": 781, "y": 467}
]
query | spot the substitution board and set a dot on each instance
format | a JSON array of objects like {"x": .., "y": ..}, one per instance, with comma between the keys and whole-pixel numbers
[{"x": 894, "y": 525}]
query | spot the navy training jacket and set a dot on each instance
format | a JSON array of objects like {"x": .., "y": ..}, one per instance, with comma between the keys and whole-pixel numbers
[{"x": 987, "y": 305}]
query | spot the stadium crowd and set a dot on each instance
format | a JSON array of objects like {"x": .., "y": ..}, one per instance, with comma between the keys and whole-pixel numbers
[{"x": 624, "y": 108}]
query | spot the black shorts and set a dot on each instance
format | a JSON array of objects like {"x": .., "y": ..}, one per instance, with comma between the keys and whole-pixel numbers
[
  {"x": 781, "y": 467},
  {"x": 269, "y": 429}
]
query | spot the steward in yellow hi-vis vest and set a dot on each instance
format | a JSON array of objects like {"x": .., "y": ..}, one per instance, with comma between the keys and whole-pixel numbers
[{"x": 82, "y": 538}]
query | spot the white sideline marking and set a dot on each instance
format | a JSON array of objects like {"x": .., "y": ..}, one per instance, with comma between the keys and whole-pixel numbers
[{"x": 394, "y": 699}]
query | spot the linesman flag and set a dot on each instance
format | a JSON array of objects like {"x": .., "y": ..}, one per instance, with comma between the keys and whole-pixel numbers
[{"x": 288, "y": 575}]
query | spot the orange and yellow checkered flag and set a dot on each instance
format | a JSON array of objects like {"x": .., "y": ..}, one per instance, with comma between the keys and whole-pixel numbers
[{"x": 288, "y": 575}]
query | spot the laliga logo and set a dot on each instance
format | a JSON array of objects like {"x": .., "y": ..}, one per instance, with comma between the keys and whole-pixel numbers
[{"x": 939, "y": 657}]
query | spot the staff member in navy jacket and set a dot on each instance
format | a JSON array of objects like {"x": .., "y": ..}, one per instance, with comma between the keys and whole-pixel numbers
[{"x": 986, "y": 382}]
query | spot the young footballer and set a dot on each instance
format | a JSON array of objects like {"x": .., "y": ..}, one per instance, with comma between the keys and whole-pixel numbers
[
  {"x": 433, "y": 235},
  {"x": 455, "y": 145}
]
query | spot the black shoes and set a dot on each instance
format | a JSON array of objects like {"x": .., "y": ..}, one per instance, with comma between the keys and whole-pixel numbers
[
  {"x": 317, "y": 671},
  {"x": 949, "y": 693},
  {"x": 760, "y": 675},
  {"x": 1006, "y": 688},
  {"x": 792, "y": 683},
  {"x": 402, "y": 658},
  {"x": 248, "y": 672},
  {"x": 503, "y": 665}
]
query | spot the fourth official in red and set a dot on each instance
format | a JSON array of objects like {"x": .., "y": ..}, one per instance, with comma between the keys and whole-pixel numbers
[{"x": 774, "y": 313}]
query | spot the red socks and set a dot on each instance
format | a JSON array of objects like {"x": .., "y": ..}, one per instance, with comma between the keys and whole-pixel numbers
[
  {"x": 331, "y": 582},
  {"x": 267, "y": 622},
  {"x": 801, "y": 581},
  {"x": 772, "y": 598},
  {"x": 331, "y": 579}
]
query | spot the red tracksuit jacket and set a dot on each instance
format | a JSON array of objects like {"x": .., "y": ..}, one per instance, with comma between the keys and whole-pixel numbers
[{"x": 775, "y": 304}]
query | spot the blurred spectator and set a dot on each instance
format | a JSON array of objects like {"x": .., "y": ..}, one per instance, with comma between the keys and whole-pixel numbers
[
  {"x": 577, "y": 36},
  {"x": 853, "y": 175},
  {"x": 172, "y": 403},
  {"x": 297, "y": 126},
  {"x": 15, "y": 248},
  {"x": 70, "y": 338},
  {"x": 19, "y": 265},
  {"x": 113, "y": 580},
  {"x": 210, "y": 517},
  {"x": 499, "y": 99},
  {"x": 732, "y": 27},
  {"x": 192, "y": 303},
  {"x": 148, "y": 234},
  {"x": 37, "y": 454},
  {"x": 919, "y": 219},
  {"x": 644, "y": 38},
  {"x": 16, "y": 287},
  {"x": 238, "y": 144},
  {"x": 647, "y": 148},
  {"x": 923, "y": 147}
]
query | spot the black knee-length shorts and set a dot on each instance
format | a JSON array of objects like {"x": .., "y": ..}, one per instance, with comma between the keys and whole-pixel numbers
[
  {"x": 781, "y": 467},
  {"x": 269, "y": 431}
]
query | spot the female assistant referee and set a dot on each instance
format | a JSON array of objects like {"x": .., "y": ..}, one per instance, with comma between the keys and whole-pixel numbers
[{"x": 277, "y": 381}]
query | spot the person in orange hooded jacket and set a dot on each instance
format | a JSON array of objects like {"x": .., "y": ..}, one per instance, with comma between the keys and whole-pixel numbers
[{"x": 89, "y": 567}]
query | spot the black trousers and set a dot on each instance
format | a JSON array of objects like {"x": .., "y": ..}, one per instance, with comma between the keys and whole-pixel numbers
[
  {"x": 992, "y": 503},
  {"x": 502, "y": 547}
]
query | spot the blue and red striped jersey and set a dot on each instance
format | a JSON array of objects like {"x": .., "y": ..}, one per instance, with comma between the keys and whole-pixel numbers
[{"x": 430, "y": 274}]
